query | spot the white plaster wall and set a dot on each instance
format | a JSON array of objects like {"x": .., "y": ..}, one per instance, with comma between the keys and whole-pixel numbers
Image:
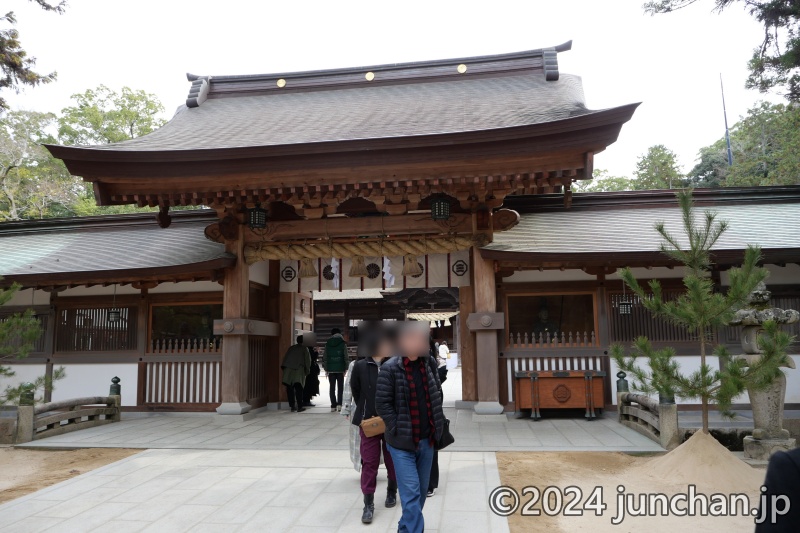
[
  {"x": 691, "y": 363},
  {"x": 548, "y": 275},
  {"x": 259, "y": 272},
  {"x": 163, "y": 288},
  {"x": 187, "y": 286},
  {"x": 652, "y": 273},
  {"x": 23, "y": 297},
  {"x": 95, "y": 380},
  {"x": 23, "y": 373}
]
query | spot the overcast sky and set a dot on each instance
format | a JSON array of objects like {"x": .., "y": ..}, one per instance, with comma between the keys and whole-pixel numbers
[{"x": 670, "y": 63}]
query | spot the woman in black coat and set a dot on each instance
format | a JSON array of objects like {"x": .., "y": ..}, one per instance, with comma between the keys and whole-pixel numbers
[{"x": 364, "y": 385}]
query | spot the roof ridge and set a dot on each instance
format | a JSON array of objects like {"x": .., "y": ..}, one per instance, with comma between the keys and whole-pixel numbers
[
  {"x": 102, "y": 222},
  {"x": 544, "y": 59}
]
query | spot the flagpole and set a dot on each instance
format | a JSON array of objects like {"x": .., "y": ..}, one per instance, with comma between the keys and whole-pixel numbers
[{"x": 725, "y": 114}]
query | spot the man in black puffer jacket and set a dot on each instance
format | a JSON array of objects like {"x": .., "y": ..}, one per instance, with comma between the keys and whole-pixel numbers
[{"x": 409, "y": 399}]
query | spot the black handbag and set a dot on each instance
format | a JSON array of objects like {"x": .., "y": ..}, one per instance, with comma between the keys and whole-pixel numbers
[{"x": 447, "y": 438}]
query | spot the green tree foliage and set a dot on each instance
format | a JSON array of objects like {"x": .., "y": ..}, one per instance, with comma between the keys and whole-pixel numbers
[
  {"x": 657, "y": 169},
  {"x": 33, "y": 184},
  {"x": 764, "y": 144},
  {"x": 700, "y": 310},
  {"x": 602, "y": 181},
  {"x": 18, "y": 335},
  {"x": 16, "y": 66},
  {"x": 102, "y": 116},
  {"x": 775, "y": 63}
]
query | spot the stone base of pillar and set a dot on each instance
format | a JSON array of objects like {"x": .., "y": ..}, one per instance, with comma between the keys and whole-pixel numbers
[
  {"x": 233, "y": 408},
  {"x": 762, "y": 449},
  {"x": 465, "y": 404},
  {"x": 488, "y": 408}
]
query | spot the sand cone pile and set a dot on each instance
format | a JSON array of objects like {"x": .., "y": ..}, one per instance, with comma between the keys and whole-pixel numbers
[{"x": 704, "y": 462}]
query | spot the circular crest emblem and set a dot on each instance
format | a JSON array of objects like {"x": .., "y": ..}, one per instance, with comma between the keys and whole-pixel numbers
[
  {"x": 327, "y": 272},
  {"x": 288, "y": 273},
  {"x": 460, "y": 267},
  {"x": 373, "y": 271},
  {"x": 562, "y": 393}
]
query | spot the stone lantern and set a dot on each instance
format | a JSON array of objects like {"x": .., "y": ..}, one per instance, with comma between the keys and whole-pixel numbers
[{"x": 767, "y": 404}]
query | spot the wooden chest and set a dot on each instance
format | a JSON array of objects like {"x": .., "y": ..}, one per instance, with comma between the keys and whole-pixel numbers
[{"x": 568, "y": 389}]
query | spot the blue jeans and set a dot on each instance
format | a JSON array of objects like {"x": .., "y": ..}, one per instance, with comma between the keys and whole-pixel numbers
[{"x": 413, "y": 470}]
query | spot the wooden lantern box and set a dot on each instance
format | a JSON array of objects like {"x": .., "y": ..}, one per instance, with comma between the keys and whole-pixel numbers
[{"x": 569, "y": 389}]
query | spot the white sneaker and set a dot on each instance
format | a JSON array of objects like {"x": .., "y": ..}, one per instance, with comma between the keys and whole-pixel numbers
[{"x": 431, "y": 492}]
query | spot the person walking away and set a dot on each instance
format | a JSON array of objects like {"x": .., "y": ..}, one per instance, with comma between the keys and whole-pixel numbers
[
  {"x": 444, "y": 353},
  {"x": 410, "y": 403},
  {"x": 335, "y": 366},
  {"x": 347, "y": 409},
  {"x": 296, "y": 366},
  {"x": 363, "y": 383},
  {"x": 311, "y": 388},
  {"x": 434, "y": 362}
]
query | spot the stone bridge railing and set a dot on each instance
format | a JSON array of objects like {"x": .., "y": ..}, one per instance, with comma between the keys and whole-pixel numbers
[
  {"x": 651, "y": 418},
  {"x": 56, "y": 418}
]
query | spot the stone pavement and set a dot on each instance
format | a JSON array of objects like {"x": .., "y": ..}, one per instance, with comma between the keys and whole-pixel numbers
[
  {"x": 247, "y": 490},
  {"x": 319, "y": 429},
  {"x": 280, "y": 471}
]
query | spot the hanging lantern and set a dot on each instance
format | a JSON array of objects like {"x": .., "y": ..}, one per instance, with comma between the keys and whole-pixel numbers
[
  {"x": 411, "y": 266},
  {"x": 624, "y": 306},
  {"x": 358, "y": 269},
  {"x": 257, "y": 217},
  {"x": 440, "y": 208},
  {"x": 114, "y": 315},
  {"x": 307, "y": 269}
]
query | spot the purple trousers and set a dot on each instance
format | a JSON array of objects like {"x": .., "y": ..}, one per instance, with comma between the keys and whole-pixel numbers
[{"x": 371, "y": 460}]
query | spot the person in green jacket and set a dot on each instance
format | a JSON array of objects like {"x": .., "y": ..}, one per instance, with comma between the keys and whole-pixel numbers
[
  {"x": 296, "y": 366},
  {"x": 335, "y": 366}
]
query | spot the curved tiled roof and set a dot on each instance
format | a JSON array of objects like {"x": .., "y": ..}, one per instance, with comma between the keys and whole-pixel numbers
[
  {"x": 614, "y": 231},
  {"x": 408, "y": 100},
  {"x": 364, "y": 112},
  {"x": 107, "y": 245}
]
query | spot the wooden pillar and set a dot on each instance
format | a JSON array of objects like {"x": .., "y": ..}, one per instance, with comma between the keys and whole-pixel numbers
[
  {"x": 287, "y": 337},
  {"x": 488, "y": 380},
  {"x": 466, "y": 349},
  {"x": 275, "y": 389},
  {"x": 235, "y": 348}
]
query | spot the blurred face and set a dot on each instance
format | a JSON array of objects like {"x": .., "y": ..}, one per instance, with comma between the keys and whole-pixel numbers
[
  {"x": 544, "y": 315},
  {"x": 384, "y": 349},
  {"x": 413, "y": 342}
]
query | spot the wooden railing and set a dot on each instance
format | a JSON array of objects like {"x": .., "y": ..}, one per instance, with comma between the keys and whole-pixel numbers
[
  {"x": 191, "y": 384},
  {"x": 164, "y": 346},
  {"x": 522, "y": 340},
  {"x": 56, "y": 418},
  {"x": 647, "y": 416}
]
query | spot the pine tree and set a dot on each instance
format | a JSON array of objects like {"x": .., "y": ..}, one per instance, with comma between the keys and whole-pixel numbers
[
  {"x": 18, "y": 335},
  {"x": 701, "y": 310}
]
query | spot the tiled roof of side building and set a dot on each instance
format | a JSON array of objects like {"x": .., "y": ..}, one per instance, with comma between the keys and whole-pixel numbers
[
  {"x": 771, "y": 226},
  {"x": 379, "y": 102},
  {"x": 105, "y": 245}
]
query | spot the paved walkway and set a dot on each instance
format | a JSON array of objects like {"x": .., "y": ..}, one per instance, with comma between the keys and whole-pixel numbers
[
  {"x": 319, "y": 429},
  {"x": 218, "y": 491},
  {"x": 282, "y": 471}
]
